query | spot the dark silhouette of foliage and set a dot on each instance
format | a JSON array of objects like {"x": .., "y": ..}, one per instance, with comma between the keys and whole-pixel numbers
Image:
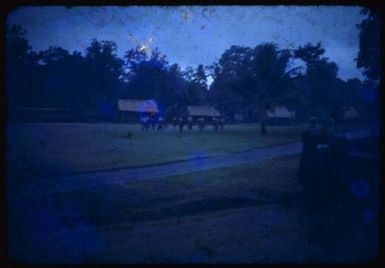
[
  {"x": 19, "y": 62},
  {"x": 369, "y": 57},
  {"x": 320, "y": 84},
  {"x": 245, "y": 80},
  {"x": 104, "y": 68},
  {"x": 261, "y": 75},
  {"x": 196, "y": 85},
  {"x": 310, "y": 54},
  {"x": 146, "y": 75}
]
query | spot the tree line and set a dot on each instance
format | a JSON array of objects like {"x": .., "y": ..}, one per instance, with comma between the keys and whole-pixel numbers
[{"x": 246, "y": 80}]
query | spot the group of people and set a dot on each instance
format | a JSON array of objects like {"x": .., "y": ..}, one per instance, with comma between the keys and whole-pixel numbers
[
  {"x": 148, "y": 122},
  {"x": 159, "y": 123},
  {"x": 217, "y": 123}
]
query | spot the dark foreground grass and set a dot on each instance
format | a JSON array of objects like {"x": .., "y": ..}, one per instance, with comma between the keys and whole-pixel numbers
[
  {"x": 196, "y": 193},
  {"x": 71, "y": 226},
  {"x": 250, "y": 213}
]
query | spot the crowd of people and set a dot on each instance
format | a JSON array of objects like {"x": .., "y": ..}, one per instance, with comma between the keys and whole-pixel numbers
[
  {"x": 159, "y": 123},
  {"x": 151, "y": 122}
]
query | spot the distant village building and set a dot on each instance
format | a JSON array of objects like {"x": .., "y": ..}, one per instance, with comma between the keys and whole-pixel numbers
[
  {"x": 351, "y": 113},
  {"x": 280, "y": 115},
  {"x": 202, "y": 111},
  {"x": 238, "y": 117},
  {"x": 131, "y": 110},
  {"x": 351, "y": 116}
]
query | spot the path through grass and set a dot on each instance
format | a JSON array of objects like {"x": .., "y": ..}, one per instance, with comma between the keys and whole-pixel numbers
[
  {"x": 55, "y": 148},
  {"x": 255, "y": 184}
]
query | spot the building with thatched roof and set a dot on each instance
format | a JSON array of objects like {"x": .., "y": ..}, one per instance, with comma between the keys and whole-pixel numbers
[
  {"x": 351, "y": 113},
  {"x": 131, "y": 110},
  {"x": 238, "y": 117},
  {"x": 280, "y": 115},
  {"x": 202, "y": 111}
]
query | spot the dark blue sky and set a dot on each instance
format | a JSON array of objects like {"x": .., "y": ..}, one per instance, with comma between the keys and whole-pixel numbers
[{"x": 194, "y": 35}]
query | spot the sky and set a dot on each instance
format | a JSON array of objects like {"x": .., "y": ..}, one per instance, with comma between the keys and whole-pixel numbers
[{"x": 197, "y": 34}]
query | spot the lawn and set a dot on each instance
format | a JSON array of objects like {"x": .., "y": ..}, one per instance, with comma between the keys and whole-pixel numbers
[
  {"x": 98, "y": 211},
  {"x": 56, "y": 148},
  {"x": 247, "y": 213},
  {"x": 246, "y": 185},
  {"x": 251, "y": 213}
]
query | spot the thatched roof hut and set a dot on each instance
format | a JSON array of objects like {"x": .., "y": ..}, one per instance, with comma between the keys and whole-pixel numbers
[
  {"x": 280, "y": 112},
  {"x": 139, "y": 106},
  {"x": 351, "y": 112},
  {"x": 280, "y": 115},
  {"x": 129, "y": 110},
  {"x": 202, "y": 111}
]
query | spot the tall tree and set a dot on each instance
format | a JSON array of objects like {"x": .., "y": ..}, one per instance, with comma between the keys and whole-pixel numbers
[
  {"x": 147, "y": 75},
  {"x": 221, "y": 95},
  {"x": 320, "y": 83},
  {"x": 369, "y": 60},
  {"x": 310, "y": 54},
  {"x": 200, "y": 84},
  {"x": 197, "y": 85},
  {"x": 261, "y": 75},
  {"x": 55, "y": 77},
  {"x": 104, "y": 68},
  {"x": 369, "y": 57},
  {"x": 177, "y": 90},
  {"x": 200, "y": 76},
  {"x": 19, "y": 67}
]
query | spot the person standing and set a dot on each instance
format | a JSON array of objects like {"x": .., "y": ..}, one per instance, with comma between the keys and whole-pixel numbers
[
  {"x": 146, "y": 123},
  {"x": 215, "y": 123},
  {"x": 174, "y": 122},
  {"x": 142, "y": 123},
  {"x": 222, "y": 123},
  {"x": 165, "y": 122},
  {"x": 181, "y": 124},
  {"x": 160, "y": 123},
  {"x": 190, "y": 122},
  {"x": 201, "y": 123},
  {"x": 153, "y": 122}
]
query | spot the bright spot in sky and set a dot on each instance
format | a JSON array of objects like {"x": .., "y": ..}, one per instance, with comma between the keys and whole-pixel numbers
[{"x": 146, "y": 49}]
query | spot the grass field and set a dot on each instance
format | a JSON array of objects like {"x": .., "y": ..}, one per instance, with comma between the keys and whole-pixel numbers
[
  {"x": 55, "y": 148},
  {"x": 250, "y": 213},
  {"x": 101, "y": 210},
  {"x": 255, "y": 184},
  {"x": 247, "y": 213}
]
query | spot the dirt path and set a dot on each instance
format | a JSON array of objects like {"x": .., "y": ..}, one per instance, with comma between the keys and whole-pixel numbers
[
  {"x": 276, "y": 232},
  {"x": 121, "y": 176}
]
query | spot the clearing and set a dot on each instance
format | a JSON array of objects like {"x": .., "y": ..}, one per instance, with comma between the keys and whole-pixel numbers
[{"x": 59, "y": 148}]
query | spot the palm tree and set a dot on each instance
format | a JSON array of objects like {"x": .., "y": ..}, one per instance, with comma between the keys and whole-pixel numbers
[{"x": 261, "y": 75}]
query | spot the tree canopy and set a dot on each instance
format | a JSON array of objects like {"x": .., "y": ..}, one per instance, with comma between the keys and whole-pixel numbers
[
  {"x": 261, "y": 75},
  {"x": 369, "y": 57},
  {"x": 247, "y": 80}
]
